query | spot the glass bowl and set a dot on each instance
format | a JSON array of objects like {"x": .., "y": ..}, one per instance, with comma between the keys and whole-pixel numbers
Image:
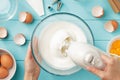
[
  {"x": 48, "y": 20},
  {"x": 8, "y": 9}
]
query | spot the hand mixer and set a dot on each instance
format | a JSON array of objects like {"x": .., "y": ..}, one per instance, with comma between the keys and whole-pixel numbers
[{"x": 83, "y": 54}]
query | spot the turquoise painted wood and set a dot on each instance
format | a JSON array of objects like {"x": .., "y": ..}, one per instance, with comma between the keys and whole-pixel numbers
[
  {"x": 96, "y": 26},
  {"x": 20, "y": 52},
  {"x": 81, "y": 8}
]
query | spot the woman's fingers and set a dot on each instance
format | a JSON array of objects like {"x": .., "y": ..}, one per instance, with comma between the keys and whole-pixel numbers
[
  {"x": 95, "y": 71},
  {"x": 29, "y": 52},
  {"x": 99, "y": 72},
  {"x": 105, "y": 58},
  {"x": 37, "y": 72}
]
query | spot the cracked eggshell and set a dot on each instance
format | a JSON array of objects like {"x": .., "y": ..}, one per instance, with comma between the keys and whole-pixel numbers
[
  {"x": 22, "y": 16},
  {"x": 3, "y": 32},
  {"x": 25, "y": 17},
  {"x": 97, "y": 11},
  {"x": 20, "y": 39},
  {"x": 111, "y": 26},
  {"x": 29, "y": 18}
]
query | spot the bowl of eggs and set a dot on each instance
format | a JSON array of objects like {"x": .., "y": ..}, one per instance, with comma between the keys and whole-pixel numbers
[
  {"x": 7, "y": 65},
  {"x": 114, "y": 46}
]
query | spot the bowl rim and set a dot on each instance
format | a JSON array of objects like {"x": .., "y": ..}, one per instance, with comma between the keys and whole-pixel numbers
[
  {"x": 15, "y": 65},
  {"x": 110, "y": 43},
  {"x": 9, "y": 16},
  {"x": 45, "y": 19}
]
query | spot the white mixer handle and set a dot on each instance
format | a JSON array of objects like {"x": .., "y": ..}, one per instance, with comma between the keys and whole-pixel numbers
[{"x": 85, "y": 55}]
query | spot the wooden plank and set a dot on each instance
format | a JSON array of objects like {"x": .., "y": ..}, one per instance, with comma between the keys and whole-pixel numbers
[
  {"x": 101, "y": 45},
  {"x": 97, "y": 28},
  {"x": 98, "y": 31},
  {"x": 81, "y": 8},
  {"x": 19, "y": 75},
  {"x": 19, "y": 52},
  {"x": 81, "y": 75},
  {"x": 15, "y": 27}
]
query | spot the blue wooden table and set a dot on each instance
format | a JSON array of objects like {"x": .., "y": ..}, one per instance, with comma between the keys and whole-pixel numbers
[{"x": 81, "y": 8}]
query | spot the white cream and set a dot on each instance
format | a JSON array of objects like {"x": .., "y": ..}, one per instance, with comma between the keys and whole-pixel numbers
[
  {"x": 54, "y": 41},
  {"x": 4, "y": 6}
]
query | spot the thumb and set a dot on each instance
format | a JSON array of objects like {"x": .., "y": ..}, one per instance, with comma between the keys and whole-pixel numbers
[{"x": 29, "y": 52}]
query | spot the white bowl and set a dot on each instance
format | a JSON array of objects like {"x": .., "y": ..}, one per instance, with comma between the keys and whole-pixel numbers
[
  {"x": 13, "y": 69},
  {"x": 110, "y": 43}
]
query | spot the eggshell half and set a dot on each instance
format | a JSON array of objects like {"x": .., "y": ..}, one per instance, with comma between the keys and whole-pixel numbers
[
  {"x": 22, "y": 16},
  {"x": 3, "y": 32},
  {"x": 29, "y": 18},
  {"x": 97, "y": 11},
  {"x": 25, "y": 17},
  {"x": 111, "y": 26},
  {"x": 20, "y": 39}
]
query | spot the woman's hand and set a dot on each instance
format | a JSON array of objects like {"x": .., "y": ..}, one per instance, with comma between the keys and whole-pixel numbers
[
  {"x": 32, "y": 70},
  {"x": 111, "y": 71}
]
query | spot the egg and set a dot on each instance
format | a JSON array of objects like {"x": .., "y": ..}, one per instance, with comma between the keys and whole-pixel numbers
[
  {"x": 6, "y": 61},
  {"x": 3, "y": 72}
]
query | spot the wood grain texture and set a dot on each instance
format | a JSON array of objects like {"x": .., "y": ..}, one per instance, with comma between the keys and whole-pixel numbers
[
  {"x": 81, "y": 75},
  {"x": 96, "y": 26},
  {"x": 81, "y": 8},
  {"x": 114, "y": 6},
  {"x": 19, "y": 52}
]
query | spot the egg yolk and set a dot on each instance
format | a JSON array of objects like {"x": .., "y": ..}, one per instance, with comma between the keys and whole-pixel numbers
[{"x": 115, "y": 48}]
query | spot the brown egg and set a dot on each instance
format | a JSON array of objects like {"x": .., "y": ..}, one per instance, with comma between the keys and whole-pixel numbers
[
  {"x": 6, "y": 61},
  {"x": 3, "y": 72}
]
